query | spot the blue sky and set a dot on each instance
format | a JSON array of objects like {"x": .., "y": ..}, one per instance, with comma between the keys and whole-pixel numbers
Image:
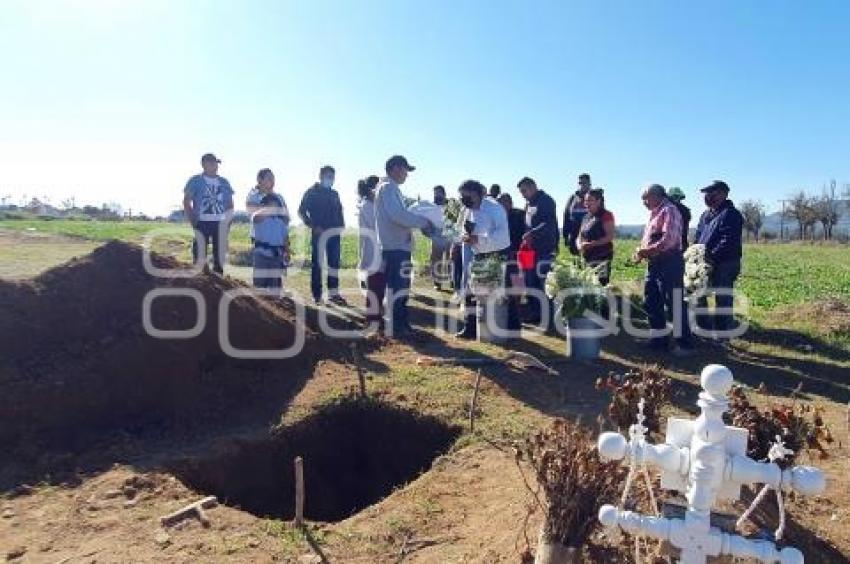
[{"x": 116, "y": 100}]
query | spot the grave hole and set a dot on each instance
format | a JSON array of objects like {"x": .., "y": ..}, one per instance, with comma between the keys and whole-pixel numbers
[{"x": 355, "y": 454}]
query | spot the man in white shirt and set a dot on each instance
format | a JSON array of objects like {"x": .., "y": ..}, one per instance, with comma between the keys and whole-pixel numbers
[{"x": 485, "y": 225}]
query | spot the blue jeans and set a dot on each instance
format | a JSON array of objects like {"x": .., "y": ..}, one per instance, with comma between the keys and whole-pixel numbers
[
  {"x": 723, "y": 276},
  {"x": 398, "y": 267},
  {"x": 332, "y": 252},
  {"x": 663, "y": 285}
]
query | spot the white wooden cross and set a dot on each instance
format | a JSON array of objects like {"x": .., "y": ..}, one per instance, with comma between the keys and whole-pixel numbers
[{"x": 705, "y": 460}]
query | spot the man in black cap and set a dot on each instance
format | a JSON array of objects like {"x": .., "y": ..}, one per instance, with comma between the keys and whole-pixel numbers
[
  {"x": 208, "y": 205},
  {"x": 395, "y": 224},
  {"x": 719, "y": 230}
]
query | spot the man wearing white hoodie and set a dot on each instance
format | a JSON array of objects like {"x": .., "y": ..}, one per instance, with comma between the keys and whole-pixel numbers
[{"x": 395, "y": 225}]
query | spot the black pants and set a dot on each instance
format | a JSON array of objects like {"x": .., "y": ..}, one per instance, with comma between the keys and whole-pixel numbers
[
  {"x": 210, "y": 232},
  {"x": 331, "y": 250}
]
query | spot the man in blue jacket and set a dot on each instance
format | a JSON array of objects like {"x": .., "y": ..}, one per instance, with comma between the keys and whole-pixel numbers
[
  {"x": 719, "y": 230},
  {"x": 321, "y": 210},
  {"x": 541, "y": 232}
]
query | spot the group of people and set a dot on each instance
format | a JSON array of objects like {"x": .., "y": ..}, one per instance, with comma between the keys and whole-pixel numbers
[{"x": 489, "y": 227}]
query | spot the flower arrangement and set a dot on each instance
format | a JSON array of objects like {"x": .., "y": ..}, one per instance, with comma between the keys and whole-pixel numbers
[
  {"x": 586, "y": 293},
  {"x": 800, "y": 426},
  {"x": 697, "y": 269},
  {"x": 574, "y": 480},
  {"x": 648, "y": 382}
]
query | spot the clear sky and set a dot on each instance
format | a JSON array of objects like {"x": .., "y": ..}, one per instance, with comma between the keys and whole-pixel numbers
[{"x": 116, "y": 100}]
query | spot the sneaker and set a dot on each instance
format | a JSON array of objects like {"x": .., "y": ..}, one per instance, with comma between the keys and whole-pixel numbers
[{"x": 336, "y": 299}]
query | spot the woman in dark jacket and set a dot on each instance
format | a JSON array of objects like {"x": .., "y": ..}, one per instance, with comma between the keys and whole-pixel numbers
[{"x": 596, "y": 235}]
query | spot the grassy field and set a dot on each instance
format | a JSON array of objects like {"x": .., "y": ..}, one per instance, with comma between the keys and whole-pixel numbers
[{"x": 775, "y": 277}]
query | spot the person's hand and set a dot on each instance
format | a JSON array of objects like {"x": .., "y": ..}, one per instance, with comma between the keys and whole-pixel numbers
[
  {"x": 317, "y": 230},
  {"x": 470, "y": 239},
  {"x": 429, "y": 228},
  {"x": 582, "y": 246},
  {"x": 527, "y": 236}
]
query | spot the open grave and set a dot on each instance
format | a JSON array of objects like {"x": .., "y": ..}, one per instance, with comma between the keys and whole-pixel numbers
[{"x": 355, "y": 452}]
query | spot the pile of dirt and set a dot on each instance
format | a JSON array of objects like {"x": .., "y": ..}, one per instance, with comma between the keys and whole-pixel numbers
[
  {"x": 75, "y": 357},
  {"x": 831, "y": 315},
  {"x": 355, "y": 453}
]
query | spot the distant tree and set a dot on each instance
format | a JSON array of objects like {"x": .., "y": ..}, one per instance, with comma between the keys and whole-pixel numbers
[
  {"x": 753, "y": 212},
  {"x": 69, "y": 204},
  {"x": 827, "y": 212},
  {"x": 800, "y": 208}
]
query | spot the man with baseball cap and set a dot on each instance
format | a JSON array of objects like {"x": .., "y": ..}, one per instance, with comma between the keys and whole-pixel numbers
[
  {"x": 676, "y": 196},
  {"x": 208, "y": 205},
  {"x": 719, "y": 230},
  {"x": 394, "y": 224}
]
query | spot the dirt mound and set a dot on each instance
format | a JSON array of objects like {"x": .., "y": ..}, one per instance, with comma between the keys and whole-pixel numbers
[
  {"x": 832, "y": 315},
  {"x": 75, "y": 356}
]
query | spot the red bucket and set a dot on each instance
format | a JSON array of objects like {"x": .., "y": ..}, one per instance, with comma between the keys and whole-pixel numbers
[{"x": 525, "y": 256}]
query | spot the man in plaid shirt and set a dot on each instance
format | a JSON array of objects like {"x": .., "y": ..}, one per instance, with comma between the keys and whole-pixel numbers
[{"x": 661, "y": 246}]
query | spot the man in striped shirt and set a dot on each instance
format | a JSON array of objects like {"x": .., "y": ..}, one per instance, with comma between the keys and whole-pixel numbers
[{"x": 661, "y": 246}]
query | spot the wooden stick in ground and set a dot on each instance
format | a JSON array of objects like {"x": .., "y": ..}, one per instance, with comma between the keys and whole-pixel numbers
[
  {"x": 355, "y": 351},
  {"x": 474, "y": 402},
  {"x": 299, "y": 491}
]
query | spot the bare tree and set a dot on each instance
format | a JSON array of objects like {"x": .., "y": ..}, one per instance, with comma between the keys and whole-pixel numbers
[
  {"x": 753, "y": 213},
  {"x": 800, "y": 208},
  {"x": 827, "y": 212}
]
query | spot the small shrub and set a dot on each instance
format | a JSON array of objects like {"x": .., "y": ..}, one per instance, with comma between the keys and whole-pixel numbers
[
  {"x": 648, "y": 382},
  {"x": 574, "y": 480}
]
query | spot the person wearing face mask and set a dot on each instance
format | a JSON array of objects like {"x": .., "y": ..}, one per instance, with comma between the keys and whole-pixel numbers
[
  {"x": 486, "y": 231},
  {"x": 321, "y": 210},
  {"x": 719, "y": 229},
  {"x": 395, "y": 225},
  {"x": 440, "y": 268}
]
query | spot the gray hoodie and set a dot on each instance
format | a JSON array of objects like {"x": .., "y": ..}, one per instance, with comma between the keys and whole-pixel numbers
[{"x": 394, "y": 223}]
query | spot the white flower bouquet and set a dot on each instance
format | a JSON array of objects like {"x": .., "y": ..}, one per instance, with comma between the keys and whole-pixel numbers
[
  {"x": 697, "y": 269},
  {"x": 584, "y": 290}
]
